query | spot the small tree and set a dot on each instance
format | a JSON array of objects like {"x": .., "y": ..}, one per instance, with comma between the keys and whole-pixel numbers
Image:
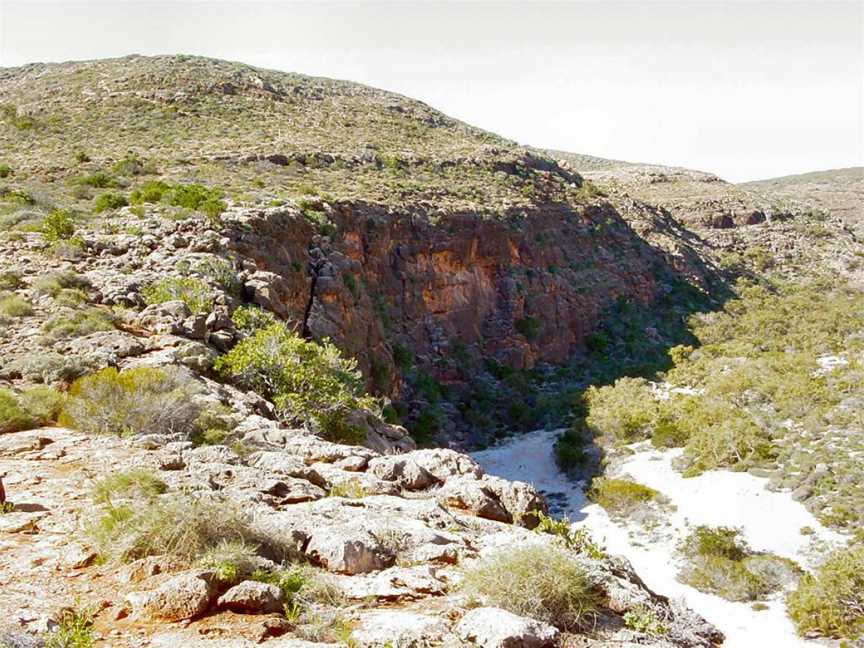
[{"x": 306, "y": 380}]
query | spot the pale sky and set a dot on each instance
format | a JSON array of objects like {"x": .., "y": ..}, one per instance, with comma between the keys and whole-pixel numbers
[{"x": 745, "y": 89}]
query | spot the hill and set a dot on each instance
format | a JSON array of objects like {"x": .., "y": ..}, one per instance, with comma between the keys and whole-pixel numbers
[
  {"x": 250, "y": 319},
  {"x": 406, "y": 237}
]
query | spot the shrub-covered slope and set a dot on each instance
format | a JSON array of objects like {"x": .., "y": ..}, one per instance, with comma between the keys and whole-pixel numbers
[{"x": 452, "y": 264}]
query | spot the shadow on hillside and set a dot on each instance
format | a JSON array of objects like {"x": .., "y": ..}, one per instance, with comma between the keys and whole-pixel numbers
[{"x": 631, "y": 338}]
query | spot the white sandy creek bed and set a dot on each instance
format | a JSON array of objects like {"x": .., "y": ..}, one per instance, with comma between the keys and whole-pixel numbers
[{"x": 770, "y": 521}]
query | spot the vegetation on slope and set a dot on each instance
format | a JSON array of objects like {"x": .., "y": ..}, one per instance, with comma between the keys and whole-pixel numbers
[
  {"x": 306, "y": 380},
  {"x": 772, "y": 384},
  {"x": 831, "y": 601},
  {"x": 720, "y": 562},
  {"x": 247, "y": 134}
]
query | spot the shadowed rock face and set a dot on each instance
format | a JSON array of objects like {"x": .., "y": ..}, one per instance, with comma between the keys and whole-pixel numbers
[{"x": 519, "y": 289}]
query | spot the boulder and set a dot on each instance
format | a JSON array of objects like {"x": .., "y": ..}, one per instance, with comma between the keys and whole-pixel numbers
[
  {"x": 396, "y": 583},
  {"x": 403, "y": 470},
  {"x": 252, "y": 597},
  {"x": 77, "y": 556},
  {"x": 167, "y": 317},
  {"x": 475, "y": 497},
  {"x": 289, "y": 490},
  {"x": 521, "y": 500},
  {"x": 379, "y": 435},
  {"x": 382, "y": 628},
  {"x": 106, "y": 347},
  {"x": 183, "y": 597},
  {"x": 347, "y": 550},
  {"x": 443, "y": 463},
  {"x": 496, "y": 628}
]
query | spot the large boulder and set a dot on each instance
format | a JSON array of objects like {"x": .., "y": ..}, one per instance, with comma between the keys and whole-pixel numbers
[
  {"x": 473, "y": 496},
  {"x": 167, "y": 317},
  {"x": 252, "y": 597},
  {"x": 347, "y": 550},
  {"x": 403, "y": 470},
  {"x": 183, "y": 597},
  {"x": 382, "y": 628},
  {"x": 444, "y": 463},
  {"x": 379, "y": 435},
  {"x": 496, "y": 628},
  {"x": 521, "y": 500}
]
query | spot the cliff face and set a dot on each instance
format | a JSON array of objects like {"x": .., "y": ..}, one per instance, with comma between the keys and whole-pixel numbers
[{"x": 519, "y": 289}]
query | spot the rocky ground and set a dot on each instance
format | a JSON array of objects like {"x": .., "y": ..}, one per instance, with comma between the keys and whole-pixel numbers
[
  {"x": 387, "y": 535},
  {"x": 139, "y": 212},
  {"x": 794, "y": 226},
  {"x": 393, "y": 556}
]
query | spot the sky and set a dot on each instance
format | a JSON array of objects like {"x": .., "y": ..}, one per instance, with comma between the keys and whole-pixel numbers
[{"x": 744, "y": 89}]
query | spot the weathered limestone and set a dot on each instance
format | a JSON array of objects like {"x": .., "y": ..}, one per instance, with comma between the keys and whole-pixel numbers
[{"x": 497, "y": 628}]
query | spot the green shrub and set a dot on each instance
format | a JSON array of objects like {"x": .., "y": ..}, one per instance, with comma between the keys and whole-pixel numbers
[
  {"x": 78, "y": 323},
  {"x": 720, "y": 562},
  {"x": 70, "y": 297},
  {"x": 529, "y": 327},
  {"x": 541, "y": 582},
  {"x": 10, "y": 280},
  {"x": 620, "y": 497},
  {"x": 573, "y": 449},
  {"x": 624, "y": 411},
  {"x": 723, "y": 542},
  {"x": 58, "y": 226},
  {"x": 231, "y": 560},
  {"x": 250, "y": 318},
  {"x": 720, "y": 435},
  {"x": 42, "y": 403},
  {"x": 579, "y": 540},
  {"x": 349, "y": 489},
  {"x": 830, "y": 602},
  {"x": 5, "y": 171},
  {"x": 303, "y": 587},
  {"x": 306, "y": 380},
  {"x": 194, "y": 197},
  {"x": 16, "y": 197},
  {"x": 402, "y": 357},
  {"x": 668, "y": 433},
  {"x": 52, "y": 283},
  {"x": 135, "y": 401},
  {"x": 213, "y": 426},
  {"x": 13, "y": 417},
  {"x": 109, "y": 200},
  {"x": 132, "y": 165},
  {"x": 179, "y": 525},
  {"x": 15, "y": 306},
  {"x": 727, "y": 578},
  {"x": 74, "y": 630},
  {"x": 643, "y": 619},
  {"x": 220, "y": 272},
  {"x": 426, "y": 426},
  {"x": 193, "y": 292},
  {"x": 151, "y": 191},
  {"x": 33, "y": 407},
  {"x": 98, "y": 180},
  {"x": 10, "y": 114},
  {"x": 135, "y": 484}
]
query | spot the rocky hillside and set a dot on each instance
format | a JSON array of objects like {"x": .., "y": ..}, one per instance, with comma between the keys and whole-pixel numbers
[
  {"x": 433, "y": 252},
  {"x": 795, "y": 226},
  {"x": 205, "y": 269},
  {"x": 233, "y": 301},
  {"x": 839, "y": 191}
]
